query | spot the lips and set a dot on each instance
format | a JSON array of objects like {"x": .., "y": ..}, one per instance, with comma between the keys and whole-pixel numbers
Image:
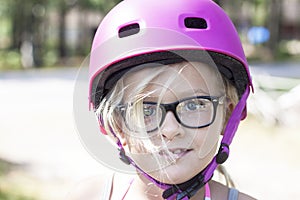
[
  {"x": 174, "y": 153},
  {"x": 178, "y": 151}
]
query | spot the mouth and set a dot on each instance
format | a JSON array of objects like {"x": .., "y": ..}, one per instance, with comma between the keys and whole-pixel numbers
[{"x": 174, "y": 153}]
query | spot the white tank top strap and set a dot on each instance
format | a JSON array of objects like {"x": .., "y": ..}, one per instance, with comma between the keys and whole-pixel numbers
[
  {"x": 121, "y": 193},
  {"x": 107, "y": 191},
  {"x": 233, "y": 194}
]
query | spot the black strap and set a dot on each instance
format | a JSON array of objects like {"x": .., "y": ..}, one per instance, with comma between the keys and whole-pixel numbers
[{"x": 186, "y": 189}]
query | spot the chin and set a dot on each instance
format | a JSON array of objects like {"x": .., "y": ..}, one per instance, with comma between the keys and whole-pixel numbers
[
  {"x": 183, "y": 170},
  {"x": 169, "y": 178},
  {"x": 176, "y": 174}
]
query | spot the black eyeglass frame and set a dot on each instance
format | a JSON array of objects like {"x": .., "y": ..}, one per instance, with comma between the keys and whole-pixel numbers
[{"x": 215, "y": 100}]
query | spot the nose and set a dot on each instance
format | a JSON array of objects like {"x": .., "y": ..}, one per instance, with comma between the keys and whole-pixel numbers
[{"x": 171, "y": 127}]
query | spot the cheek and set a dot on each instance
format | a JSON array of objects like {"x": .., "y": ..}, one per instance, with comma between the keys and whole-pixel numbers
[{"x": 206, "y": 139}]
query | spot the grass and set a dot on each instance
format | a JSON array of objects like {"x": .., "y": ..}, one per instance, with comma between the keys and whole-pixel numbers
[
  {"x": 13, "y": 195},
  {"x": 9, "y": 190}
]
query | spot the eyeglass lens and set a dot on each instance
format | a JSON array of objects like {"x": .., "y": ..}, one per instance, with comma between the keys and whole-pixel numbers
[{"x": 194, "y": 112}]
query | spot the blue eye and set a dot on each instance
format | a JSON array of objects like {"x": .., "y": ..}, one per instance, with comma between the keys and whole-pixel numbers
[
  {"x": 149, "y": 110},
  {"x": 195, "y": 105}
]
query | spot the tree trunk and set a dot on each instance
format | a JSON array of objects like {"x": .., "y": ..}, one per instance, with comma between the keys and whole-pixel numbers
[
  {"x": 274, "y": 22},
  {"x": 18, "y": 22},
  {"x": 62, "y": 48}
]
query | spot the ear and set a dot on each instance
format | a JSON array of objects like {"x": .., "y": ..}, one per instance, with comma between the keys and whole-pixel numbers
[
  {"x": 119, "y": 131},
  {"x": 229, "y": 109},
  {"x": 244, "y": 113},
  {"x": 123, "y": 139}
]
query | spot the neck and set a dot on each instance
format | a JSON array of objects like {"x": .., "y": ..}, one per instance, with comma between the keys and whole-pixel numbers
[
  {"x": 148, "y": 187},
  {"x": 153, "y": 191}
]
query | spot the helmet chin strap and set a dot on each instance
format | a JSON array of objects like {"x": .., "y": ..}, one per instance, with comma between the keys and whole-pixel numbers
[{"x": 189, "y": 188}]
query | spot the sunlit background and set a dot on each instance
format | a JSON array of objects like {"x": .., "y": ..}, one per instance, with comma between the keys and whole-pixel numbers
[{"x": 43, "y": 44}]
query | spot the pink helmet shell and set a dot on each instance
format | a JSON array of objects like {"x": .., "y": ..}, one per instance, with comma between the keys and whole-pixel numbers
[{"x": 140, "y": 27}]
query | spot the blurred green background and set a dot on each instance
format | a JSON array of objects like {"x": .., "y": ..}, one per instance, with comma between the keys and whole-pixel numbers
[
  {"x": 42, "y": 45},
  {"x": 39, "y": 33}
]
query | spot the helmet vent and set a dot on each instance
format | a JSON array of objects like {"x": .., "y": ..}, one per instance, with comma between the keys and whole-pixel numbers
[
  {"x": 128, "y": 30},
  {"x": 195, "y": 22}
]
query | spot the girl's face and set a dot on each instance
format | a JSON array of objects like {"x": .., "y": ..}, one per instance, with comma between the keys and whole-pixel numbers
[{"x": 171, "y": 126}]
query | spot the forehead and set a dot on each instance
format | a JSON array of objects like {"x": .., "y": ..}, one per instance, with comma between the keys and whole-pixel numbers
[{"x": 181, "y": 79}]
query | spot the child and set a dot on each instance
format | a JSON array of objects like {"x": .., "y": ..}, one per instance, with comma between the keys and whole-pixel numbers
[{"x": 169, "y": 83}]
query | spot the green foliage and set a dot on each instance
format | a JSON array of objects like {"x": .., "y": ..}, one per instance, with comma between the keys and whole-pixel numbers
[
  {"x": 33, "y": 21},
  {"x": 289, "y": 49},
  {"x": 4, "y": 167},
  {"x": 12, "y": 195},
  {"x": 8, "y": 191},
  {"x": 51, "y": 58},
  {"x": 10, "y": 60},
  {"x": 100, "y": 5}
]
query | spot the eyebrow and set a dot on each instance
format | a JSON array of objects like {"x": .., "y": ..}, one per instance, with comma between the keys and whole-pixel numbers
[
  {"x": 201, "y": 91},
  {"x": 197, "y": 92},
  {"x": 190, "y": 93}
]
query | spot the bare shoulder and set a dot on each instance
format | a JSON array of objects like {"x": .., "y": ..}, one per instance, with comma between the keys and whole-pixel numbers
[
  {"x": 219, "y": 191},
  {"x": 243, "y": 196},
  {"x": 90, "y": 188},
  {"x": 100, "y": 186}
]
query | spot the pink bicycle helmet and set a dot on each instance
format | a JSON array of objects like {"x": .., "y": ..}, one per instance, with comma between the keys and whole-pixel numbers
[{"x": 141, "y": 31}]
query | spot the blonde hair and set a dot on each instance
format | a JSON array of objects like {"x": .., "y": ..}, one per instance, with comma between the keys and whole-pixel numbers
[
  {"x": 232, "y": 98},
  {"x": 111, "y": 120},
  {"x": 224, "y": 176},
  {"x": 108, "y": 118}
]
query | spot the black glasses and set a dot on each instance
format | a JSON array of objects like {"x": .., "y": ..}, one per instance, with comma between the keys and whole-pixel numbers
[{"x": 192, "y": 112}]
